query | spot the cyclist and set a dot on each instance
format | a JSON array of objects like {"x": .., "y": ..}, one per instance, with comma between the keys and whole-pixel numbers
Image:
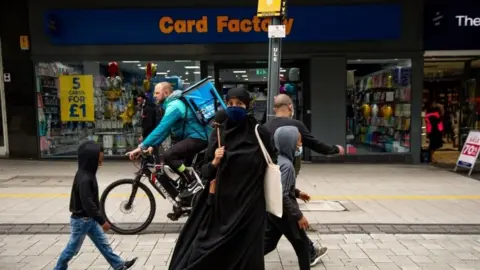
[{"x": 187, "y": 134}]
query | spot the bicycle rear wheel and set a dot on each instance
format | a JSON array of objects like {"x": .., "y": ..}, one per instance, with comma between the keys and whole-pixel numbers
[{"x": 127, "y": 187}]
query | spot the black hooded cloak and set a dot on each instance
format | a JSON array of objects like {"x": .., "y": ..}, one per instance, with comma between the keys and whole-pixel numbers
[{"x": 225, "y": 231}]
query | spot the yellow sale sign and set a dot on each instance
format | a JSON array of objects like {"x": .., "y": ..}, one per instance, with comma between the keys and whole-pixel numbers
[{"x": 76, "y": 98}]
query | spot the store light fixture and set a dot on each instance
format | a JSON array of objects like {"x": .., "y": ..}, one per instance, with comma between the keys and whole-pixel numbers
[
  {"x": 130, "y": 62},
  {"x": 168, "y": 70},
  {"x": 246, "y": 79},
  {"x": 359, "y": 60},
  {"x": 186, "y": 72},
  {"x": 245, "y": 75},
  {"x": 192, "y": 67},
  {"x": 142, "y": 67},
  {"x": 239, "y": 71},
  {"x": 196, "y": 72},
  {"x": 162, "y": 73},
  {"x": 139, "y": 65},
  {"x": 282, "y": 70},
  {"x": 182, "y": 61}
]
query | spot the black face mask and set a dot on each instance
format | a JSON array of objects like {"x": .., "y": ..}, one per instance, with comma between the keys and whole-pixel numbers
[{"x": 236, "y": 114}]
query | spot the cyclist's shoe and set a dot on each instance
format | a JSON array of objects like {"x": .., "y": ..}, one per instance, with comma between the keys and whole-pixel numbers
[{"x": 189, "y": 190}]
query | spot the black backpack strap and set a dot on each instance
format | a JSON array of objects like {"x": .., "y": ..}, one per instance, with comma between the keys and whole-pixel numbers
[{"x": 185, "y": 120}]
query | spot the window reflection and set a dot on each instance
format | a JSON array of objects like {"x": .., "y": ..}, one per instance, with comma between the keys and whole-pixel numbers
[
  {"x": 255, "y": 81},
  {"x": 116, "y": 121},
  {"x": 378, "y": 106}
]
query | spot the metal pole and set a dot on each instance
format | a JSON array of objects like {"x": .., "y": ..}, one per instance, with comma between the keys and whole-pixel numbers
[{"x": 274, "y": 62}]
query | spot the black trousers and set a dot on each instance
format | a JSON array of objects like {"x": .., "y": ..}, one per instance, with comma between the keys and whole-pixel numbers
[
  {"x": 276, "y": 227},
  {"x": 183, "y": 151}
]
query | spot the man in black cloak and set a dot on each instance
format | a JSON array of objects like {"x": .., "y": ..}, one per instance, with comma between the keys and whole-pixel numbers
[{"x": 226, "y": 228}]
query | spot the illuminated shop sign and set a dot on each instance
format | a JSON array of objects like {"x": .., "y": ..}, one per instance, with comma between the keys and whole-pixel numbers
[
  {"x": 452, "y": 25},
  {"x": 467, "y": 21},
  {"x": 220, "y": 24},
  {"x": 232, "y": 25}
]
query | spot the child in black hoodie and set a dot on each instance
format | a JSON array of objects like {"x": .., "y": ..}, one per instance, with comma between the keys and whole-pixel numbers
[
  {"x": 86, "y": 218},
  {"x": 293, "y": 223}
]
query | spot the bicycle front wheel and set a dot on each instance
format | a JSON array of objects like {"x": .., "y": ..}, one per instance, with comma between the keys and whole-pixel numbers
[{"x": 128, "y": 197}]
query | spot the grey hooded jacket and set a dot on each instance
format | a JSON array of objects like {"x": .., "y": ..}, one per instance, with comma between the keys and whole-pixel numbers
[{"x": 286, "y": 143}]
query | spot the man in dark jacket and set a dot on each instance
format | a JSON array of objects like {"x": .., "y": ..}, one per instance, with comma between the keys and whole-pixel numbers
[
  {"x": 283, "y": 107},
  {"x": 293, "y": 223},
  {"x": 149, "y": 114},
  {"x": 86, "y": 218}
]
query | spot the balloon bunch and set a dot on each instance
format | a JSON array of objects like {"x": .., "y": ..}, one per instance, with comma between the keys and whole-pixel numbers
[
  {"x": 287, "y": 88},
  {"x": 114, "y": 82},
  {"x": 128, "y": 114},
  {"x": 290, "y": 89},
  {"x": 150, "y": 73}
]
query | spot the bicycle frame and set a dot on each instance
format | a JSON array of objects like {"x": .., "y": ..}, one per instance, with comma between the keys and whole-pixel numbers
[{"x": 146, "y": 170}]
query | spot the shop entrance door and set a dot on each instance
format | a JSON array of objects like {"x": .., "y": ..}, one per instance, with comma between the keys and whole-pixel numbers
[
  {"x": 3, "y": 115},
  {"x": 253, "y": 77}
]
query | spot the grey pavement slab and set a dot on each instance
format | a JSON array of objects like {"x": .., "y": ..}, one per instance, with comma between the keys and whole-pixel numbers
[
  {"x": 360, "y": 251},
  {"x": 37, "y": 192},
  {"x": 173, "y": 228}
]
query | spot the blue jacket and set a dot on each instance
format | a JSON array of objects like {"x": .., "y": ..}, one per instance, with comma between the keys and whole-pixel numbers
[{"x": 173, "y": 123}]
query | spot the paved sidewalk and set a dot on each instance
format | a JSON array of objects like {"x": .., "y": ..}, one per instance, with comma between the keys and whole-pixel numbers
[
  {"x": 350, "y": 228},
  {"x": 346, "y": 252},
  {"x": 37, "y": 192}
]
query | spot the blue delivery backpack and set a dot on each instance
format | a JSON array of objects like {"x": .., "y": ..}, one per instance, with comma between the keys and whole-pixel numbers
[{"x": 204, "y": 100}]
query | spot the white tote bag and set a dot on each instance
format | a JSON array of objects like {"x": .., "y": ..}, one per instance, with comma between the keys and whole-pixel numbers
[{"x": 273, "y": 182}]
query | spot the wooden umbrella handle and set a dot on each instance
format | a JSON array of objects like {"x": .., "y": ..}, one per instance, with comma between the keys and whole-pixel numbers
[
  {"x": 218, "y": 138},
  {"x": 213, "y": 183}
]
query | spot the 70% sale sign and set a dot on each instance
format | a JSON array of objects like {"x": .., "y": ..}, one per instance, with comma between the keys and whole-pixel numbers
[{"x": 468, "y": 156}]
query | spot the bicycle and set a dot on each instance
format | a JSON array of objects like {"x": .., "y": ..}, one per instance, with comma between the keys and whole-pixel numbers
[{"x": 165, "y": 181}]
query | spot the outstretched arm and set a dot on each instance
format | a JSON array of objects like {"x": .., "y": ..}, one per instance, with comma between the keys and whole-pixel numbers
[
  {"x": 160, "y": 133},
  {"x": 311, "y": 142}
]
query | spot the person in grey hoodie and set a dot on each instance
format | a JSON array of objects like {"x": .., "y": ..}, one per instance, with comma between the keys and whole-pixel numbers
[{"x": 293, "y": 223}]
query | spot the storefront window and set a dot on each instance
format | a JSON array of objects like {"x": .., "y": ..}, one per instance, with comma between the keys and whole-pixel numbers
[
  {"x": 378, "y": 106},
  {"x": 255, "y": 81},
  {"x": 80, "y": 101}
]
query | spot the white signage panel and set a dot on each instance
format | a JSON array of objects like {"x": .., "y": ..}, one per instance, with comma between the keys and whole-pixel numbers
[{"x": 469, "y": 154}]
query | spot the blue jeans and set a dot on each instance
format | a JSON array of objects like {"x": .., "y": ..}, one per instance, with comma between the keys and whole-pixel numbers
[{"x": 80, "y": 228}]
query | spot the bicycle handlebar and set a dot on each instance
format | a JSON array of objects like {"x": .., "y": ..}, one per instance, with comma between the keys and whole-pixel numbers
[{"x": 143, "y": 154}]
